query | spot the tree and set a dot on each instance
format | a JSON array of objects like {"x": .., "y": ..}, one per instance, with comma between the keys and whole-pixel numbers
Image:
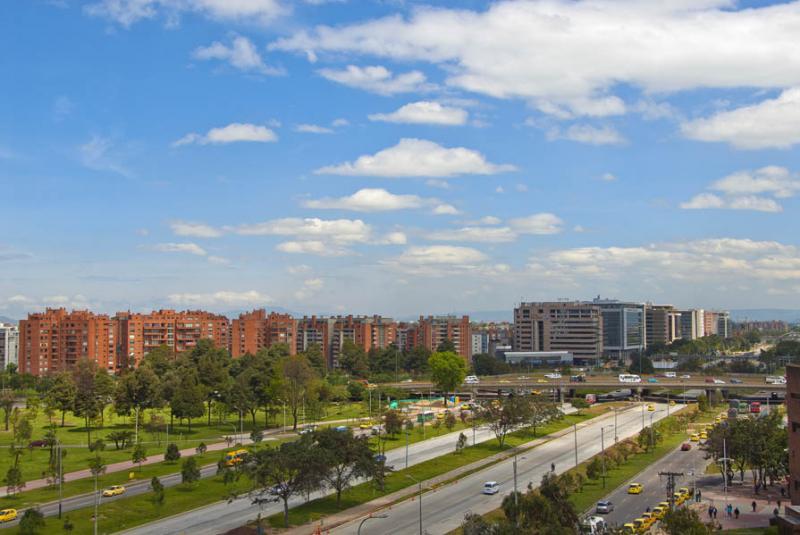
[
  {"x": 684, "y": 521},
  {"x": 353, "y": 359},
  {"x": 446, "y": 346},
  {"x": 121, "y": 439},
  {"x": 278, "y": 474},
  {"x": 317, "y": 359},
  {"x": 506, "y": 414},
  {"x": 161, "y": 360},
  {"x": 212, "y": 369},
  {"x": 345, "y": 458},
  {"x": 449, "y": 421},
  {"x": 416, "y": 360},
  {"x": 23, "y": 431},
  {"x": 240, "y": 398},
  {"x": 594, "y": 468},
  {"x": 542, "y": 412},
  {"x": 393, "y": 422},
  {"x": 32, "y": 522},
  {"x": 641, "y": 364},
  {"x": 702, "y": 402},
  {"x": 68, "y": 526},
  {"x": 256, "y": 435},
  {"x": 461, "y": 443},
  {"x": 296, "y": 378},
  {"x": 158, "y": 491},
  {"x": 190, "y": 472},
  {"x": 201, "y": 448},
  {"x": 447, "y": 371},
  {"x": 137, "y": 390},
  {"x": 88, "y": 397},
  {"x": 7, "y": 399},
  {"x": 187, "y": 399},
  {"x": 139, "y": 454},
  {"x": 485, "y": 364},
  {"x": 14, "y": 482},
  {"x": 173, "y": 453}
]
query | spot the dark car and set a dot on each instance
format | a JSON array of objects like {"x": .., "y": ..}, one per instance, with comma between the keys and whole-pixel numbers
[
  {"x": 736, "y": 381},
  {"x": 686, "y": 446},
  {"x": 37, "y": 444}
]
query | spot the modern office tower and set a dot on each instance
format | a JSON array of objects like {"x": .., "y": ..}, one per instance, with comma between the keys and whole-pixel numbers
[
  {"x": 724, "y": 324},
  {"x": 662, "y": 324},
  {"x": 431, "y": 331},
  {"x": 480, "y": 342},
  {"x": 179, "y": 331},
  {"x": 9, "y": 345},
  {"x": 692, "y": 324},
  {"x": 55, "y": 340},
  {"x": 576, "y": 327},
  {"x": 256, "y": 330},
  {"x": 624, "y": 331}
]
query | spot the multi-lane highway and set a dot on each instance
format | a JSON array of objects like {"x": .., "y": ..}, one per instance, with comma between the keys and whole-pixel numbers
[{"x": 444, "y": 508}]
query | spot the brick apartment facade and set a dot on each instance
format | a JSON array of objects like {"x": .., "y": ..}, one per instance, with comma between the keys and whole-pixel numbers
[
  {"x": 431, "y": 331},
  {"x": 256, "y": 330}
]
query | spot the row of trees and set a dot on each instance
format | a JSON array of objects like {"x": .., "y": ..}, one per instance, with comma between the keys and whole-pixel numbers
[{"x": 707, "y": 345}]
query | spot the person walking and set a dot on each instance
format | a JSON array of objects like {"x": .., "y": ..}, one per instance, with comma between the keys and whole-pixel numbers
[
  {"x": 783, "y": 491},
  {"x": 754, "y": 505},
  {"x": 776, "y": 512},
  {"x": 736, "y": 513},
  {"x": 711, "y": 512},
  {"x": 698, "y": 495},
  {"x": 715, "y": 512},
  {"x": 729, "y": 510},
  {"x": 552, "y": 467}
]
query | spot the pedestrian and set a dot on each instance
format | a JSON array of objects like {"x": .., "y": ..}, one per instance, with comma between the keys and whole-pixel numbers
[
  {"x": 715, "y": 512},
  {"x": 783, "y": 492},
  {"x": 729, "y": 510},
  {"x": 736, "y": 513},
  {"x": 647, "y": 510},
  {"x": 779, "y": 505},
  {"x": 552, "y": 467},
  {"x": 754, "y": 506},
  {"x": 698, "y": 495},
  {"x": 710, "y": 512},
  {"x": 775, "y": 512}
]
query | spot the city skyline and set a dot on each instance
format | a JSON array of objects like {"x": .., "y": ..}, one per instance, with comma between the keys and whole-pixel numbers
[{"x": 339, "y": 158}]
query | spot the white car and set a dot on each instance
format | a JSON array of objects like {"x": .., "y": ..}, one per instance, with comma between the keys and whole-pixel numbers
[
  {"x": 491, "y": 487},
  {"x": 552, "y": 375},
  {"x": 471, "y": 380},
  {"x": 719, "y": 382},
  {"x": 686, "y": 376}
]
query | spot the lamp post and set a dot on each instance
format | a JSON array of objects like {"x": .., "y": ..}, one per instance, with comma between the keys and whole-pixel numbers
[
  {"x": 60, "y": 477},
  {"x": 370, "y": 517},
  {"x": 575, "y": 434},
  {"x": 406, "y": 429},
  {"x": 615, "y": 425},
  {"x": 412, "y": 478}
]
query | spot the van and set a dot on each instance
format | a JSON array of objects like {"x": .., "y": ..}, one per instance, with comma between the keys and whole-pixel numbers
[
  {"x": 491, "y": 487},
  {"x": 471, "y": 380},
  {"x": 670, "y": 375}
]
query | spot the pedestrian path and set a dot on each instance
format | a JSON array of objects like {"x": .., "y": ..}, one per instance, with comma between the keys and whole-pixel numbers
[{"x": 740, "y": 496}]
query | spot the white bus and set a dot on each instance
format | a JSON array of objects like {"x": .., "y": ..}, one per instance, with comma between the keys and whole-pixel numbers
[
  {"x": 628, "y": 378},
  {"x": 775, "y": 380}
]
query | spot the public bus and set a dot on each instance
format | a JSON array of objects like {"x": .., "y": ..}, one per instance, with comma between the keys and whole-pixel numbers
[
  {"x": 425, "y": 416},
  {"x": 235, "y": 457},
  {"x": 629, "y": 378},
  {"x": 755, "y": 407}
]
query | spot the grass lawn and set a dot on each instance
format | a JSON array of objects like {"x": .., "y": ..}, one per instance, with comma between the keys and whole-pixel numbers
[{"x": 365, "y": 492}]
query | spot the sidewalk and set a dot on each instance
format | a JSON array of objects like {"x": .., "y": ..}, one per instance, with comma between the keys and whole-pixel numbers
[
  {"x": 741, "y": 496},
  {"x": 386, "y": 502}
]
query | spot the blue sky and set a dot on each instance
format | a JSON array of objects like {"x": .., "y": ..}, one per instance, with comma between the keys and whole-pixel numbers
[{"x": 398, "y": 157}]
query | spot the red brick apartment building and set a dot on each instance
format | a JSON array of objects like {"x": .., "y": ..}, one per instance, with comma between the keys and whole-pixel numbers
[
  {"x": 257, "y": 329},
  {"x": 430, "y": 332},
  {"x": 790, "y": 522},
  {"x": 54, "y": 340}
]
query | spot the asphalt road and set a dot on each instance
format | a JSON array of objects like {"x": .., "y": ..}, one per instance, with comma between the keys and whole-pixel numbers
[
  {"x": 628, "y": 507},
  {"x": 445, "y": 507},
  {"x": 220, "y": 517}
]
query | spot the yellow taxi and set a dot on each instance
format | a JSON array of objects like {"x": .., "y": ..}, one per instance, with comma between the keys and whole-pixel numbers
[
  {"x": 685, "y": 492},
  {"x": 678, "y": 498},
  {"x": 703, "y": 435},
  {"x": 672, "y": 403},
  {"x": 651, "y": 407},
  {"x": 7, "y": 515},
  {"x": 717, "y": 420},
  {"x": 724, "y": 415},
  {"x": 635, "y": 488},
  {"x": 465, "y": 407},
  {"x": 541, "y": 380},
  {"x": 440, "y": 416},
  {"x": 640, "y": 525},
  {"x": 364, "y": 425},
  {"x": 113, "y": 490},
  {"x": 695, "y": 437},
  {"x": 629, "y": 529},
  {"x": 649, "y": 519}
]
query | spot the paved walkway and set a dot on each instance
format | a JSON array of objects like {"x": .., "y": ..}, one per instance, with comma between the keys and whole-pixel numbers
[{"x": 740, "y": 496}]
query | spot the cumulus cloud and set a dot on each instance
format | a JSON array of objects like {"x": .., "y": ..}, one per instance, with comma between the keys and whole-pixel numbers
[
  {"x": 748, "y": 190},
  {"x": 312, "y": 247},
  {"x": 191, "y": 248},
  {"x": 369, "y": 200},
  {"x": 221, "y": 298},
  {"x": 586, "y": 133},
  {"x": 445, "y": 209},
  {"x": 339, "y": 230},
  {"x": 101, "y": 154},
  {"x": 608, "y": 177},
  {"x": 196, "y": 230},
  {"x": 313, "y": 129},
  {"x": 475, "y": 234},
  {"x": 309, "y": 288},
  {"x": 377, "y": 79},
  {"x": 128, "y": 12},
  {"x": 241, "y": 54},
  {"x": 418, "y": 158},
  {"x": 571, "y": 65},
  {"x": 443, "y": 260},
  {"x": 424, "y": 112},
  {"x": 542, "y": 223},
  {"x": 771, "y": 123},
  {"x": 232, "y": 133}
]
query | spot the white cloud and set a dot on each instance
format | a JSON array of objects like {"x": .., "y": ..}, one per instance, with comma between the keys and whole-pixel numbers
[
  {"x": 298, "y": 269},
  {"x": 309, "y": 288},
  {"x": 522, "y": 188},
  {"x": 608, "y": 177},
  {"x": 418, "y": 158},
  {"x": 748, "y": 190},
  {"x": 232, "y": 133},
  {"x": 377, "y": 79},
  {"x": 312, "y": 247},
  {"x": 197, "y": 230},
  {"x": 336, "y": 123},
  {"x": 585, "y": 133},
  {"x": 19, "y": 299},
  {"x": 338, "y": 230},
  {"x": 394, "y": 238},
  {"x": 489, "y": 220},
  {"x": 221, "y": 298},
  {"x": 128, "y": 12},
  {"x": 369, "y": 200},
  {"x": 312, "y": 129},
  {"x": 564, "y": 56},
  {"x": 772, "y": 123},
  {"x": 191, "y": 248},
  {"x": 100, "y": 154},
  {"x": 241, "y": 54},
  {"x": 442, "y": 261},
  {"x": 475, "y": 234},
  {"x": 424, "y": 112},
  {"x": 445, "y": 209},
  {"x": 542, "y": 223},
  {"x": 437, "y": 183}
]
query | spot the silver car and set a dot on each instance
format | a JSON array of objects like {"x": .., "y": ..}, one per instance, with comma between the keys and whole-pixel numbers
[{"x": 604, "y": 507}]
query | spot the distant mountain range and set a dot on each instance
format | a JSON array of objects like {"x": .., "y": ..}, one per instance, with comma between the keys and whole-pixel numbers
[
  {"x": 4, "y": 319},
  {"x": 788, "y": 315}
]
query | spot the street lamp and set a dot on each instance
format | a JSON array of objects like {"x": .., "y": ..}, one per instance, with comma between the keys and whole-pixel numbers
[
  {"x": 412, "y": 478},
  {"x": 575, "y": 433},
  {"x": 370, "y": 517}
]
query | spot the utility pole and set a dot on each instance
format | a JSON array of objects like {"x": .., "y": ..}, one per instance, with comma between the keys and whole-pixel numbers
[
  {"x": 60, "y": 478},
  {"x": 603, "y": 453},
  {"x": 615, "y": 425},
  {"x": 671, "y": 485},
  {"x": 575, "y": 434}
]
